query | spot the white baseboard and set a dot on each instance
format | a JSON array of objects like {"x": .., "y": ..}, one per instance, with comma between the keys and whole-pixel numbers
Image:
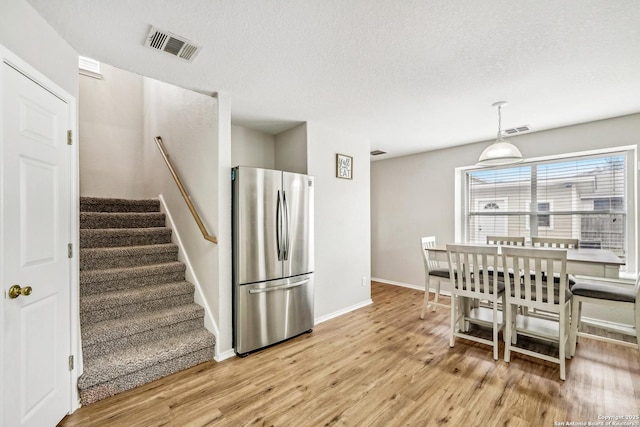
[
  {"x": 342, "y": 311},
  {"x": 407, "y": 285},
  {"x": 404, "y": 285},
  {"x": 224, "y": 355}
]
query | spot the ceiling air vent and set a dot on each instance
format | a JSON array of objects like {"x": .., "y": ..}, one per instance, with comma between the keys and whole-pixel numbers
[
  {"x": 378, "y": 152},
  {"x": 519, "y": 129},
  {"x": 172, "y": 44}
]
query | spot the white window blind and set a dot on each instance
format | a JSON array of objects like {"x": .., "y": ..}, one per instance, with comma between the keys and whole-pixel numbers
[{"x": 584, "y": 198}]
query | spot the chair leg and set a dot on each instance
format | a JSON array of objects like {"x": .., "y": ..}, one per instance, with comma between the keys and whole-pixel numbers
[
  {"x": 425, "y": 303},
  {"x": 435, "y": 298},
  {"x": 495, "y": 331},
  {"x": 562, "y": 342},
  {"x": 576, "y": 306},
  {"x": 454, "y": 305},
  {"x": 507, "y": 332},
  {"x": 514, "y": 330},
  {"x": 637, "y": 331},
  {"x": 576, "y": 318},
  {"x": 567, "y": 328},
  {"x": 466, "y": 304}
]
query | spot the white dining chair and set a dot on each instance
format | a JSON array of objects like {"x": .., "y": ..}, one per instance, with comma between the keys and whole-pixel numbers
[
  {"x": 554, "y": 242},
  {"x": 533, "y": 292},
  {"x": 469, "y": 269},
  {"x": 433, "y": 271},
  {"x": 612, "y": 295},
  {"x": 506, "y": 240},
  {"x": 558, "y": 243}
]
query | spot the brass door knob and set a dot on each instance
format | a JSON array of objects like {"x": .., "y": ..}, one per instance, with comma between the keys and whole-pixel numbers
[{"x": 15, "y": 291}]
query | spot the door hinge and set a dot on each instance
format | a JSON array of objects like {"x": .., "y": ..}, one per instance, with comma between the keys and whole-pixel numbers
[
  {"x": 71, "y": 363},
  {"x": 70, "y": 250},
  {"x": 69, "y": 137}
]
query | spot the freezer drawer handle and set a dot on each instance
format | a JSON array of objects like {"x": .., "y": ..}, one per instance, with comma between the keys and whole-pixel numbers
[{"x": 279, "y": 288}]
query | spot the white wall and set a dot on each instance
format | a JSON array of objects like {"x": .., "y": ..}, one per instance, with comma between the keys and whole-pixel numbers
[
  {"x": 111, "y": 134},
  {"x": 252, "y": 148},
  {"x": 285, "y": 151},
  {"x": 413, "y": 196},
  {"x": 28, "y": 35},
  {"x": 342, "y": 221},
  {"x": 291, "y": 150}
]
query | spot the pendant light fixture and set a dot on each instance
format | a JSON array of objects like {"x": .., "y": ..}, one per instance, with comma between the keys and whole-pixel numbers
[{"x": 501, "y": 151}]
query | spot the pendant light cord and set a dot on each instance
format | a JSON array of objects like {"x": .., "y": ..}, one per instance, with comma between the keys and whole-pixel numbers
[{"x": 499, "y": 136}]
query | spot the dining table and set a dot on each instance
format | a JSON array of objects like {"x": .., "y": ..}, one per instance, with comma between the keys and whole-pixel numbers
[{"x": 580, "y": 261}]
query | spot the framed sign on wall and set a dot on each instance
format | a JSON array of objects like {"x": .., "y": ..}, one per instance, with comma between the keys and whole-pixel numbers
[{"x": 344, "y": 166}]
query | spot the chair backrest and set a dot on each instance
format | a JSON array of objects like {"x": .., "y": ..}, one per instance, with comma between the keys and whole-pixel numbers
[
  {"x": 537, "y": 287},
  {"x": 505, "y": 240},
  {"x": 472, "y": 268},
  {"x": 553, "y": 242},
  {"x": 427, "y": 243}
]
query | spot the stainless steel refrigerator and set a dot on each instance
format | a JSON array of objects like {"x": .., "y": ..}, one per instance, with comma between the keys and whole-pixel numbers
[{"x": 272, "y": 256}]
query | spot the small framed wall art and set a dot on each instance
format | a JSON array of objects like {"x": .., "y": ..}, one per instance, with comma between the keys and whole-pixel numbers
[{"x": 344, "y": 166}]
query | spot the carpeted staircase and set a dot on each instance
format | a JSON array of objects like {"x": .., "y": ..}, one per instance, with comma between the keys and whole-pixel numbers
[{"x": 138, "y": 318}]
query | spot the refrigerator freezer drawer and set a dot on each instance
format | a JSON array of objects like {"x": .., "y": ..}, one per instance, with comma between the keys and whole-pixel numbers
[{"x": 270, "y": 312}]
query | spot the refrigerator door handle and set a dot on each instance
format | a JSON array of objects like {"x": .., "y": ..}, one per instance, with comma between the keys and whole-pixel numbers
[
  {"x": 279, "y": 288},
  {"x": 286, "y": 226},
  {"x": 279, "y": 227}
]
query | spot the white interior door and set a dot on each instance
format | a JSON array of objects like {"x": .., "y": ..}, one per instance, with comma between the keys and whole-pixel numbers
[{"x": 36, "y": 228}]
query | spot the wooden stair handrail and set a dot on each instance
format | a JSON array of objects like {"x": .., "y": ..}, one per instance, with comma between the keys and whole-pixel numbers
[{"x": 178, "y": 181}]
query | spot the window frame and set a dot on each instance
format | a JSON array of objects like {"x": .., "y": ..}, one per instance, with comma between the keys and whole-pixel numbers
[{"x": 631, "y": 194}]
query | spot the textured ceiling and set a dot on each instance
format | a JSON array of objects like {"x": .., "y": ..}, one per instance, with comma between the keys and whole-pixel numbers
[{"x": 409, "y": 75}]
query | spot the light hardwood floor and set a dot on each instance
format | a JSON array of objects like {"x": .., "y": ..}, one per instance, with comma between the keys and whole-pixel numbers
[{"x": 382, "y": 366}]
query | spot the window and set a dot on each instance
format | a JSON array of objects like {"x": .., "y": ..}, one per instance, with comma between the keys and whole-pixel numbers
[
  {"x": 609, "y": 203},
  {"x": 544, "y": 220},
  {"x": 587, "y": 196}
]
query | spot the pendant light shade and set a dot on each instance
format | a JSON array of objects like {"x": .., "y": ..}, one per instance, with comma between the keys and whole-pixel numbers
[{"x": 501, "y": 151}]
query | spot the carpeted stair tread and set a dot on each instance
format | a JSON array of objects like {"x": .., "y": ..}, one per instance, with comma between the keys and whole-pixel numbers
[
  {"x": 103, "y": 347},
  {"x": 127, "y": 256},
  {"x": 111, "y": 237},
  {"x": 95, "y": 220},
  {"x": 91, "y": 317},
  {"x": 88, "y": 277},
  {"x": 114, "y": 329},
  {"x": 107, "y": 367},
  {"x": 96, "y": 204},
  {"x": 124, "y": 303},
  {"x": 104, "y": 300},
  {"x": 100, "y": 391}
]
